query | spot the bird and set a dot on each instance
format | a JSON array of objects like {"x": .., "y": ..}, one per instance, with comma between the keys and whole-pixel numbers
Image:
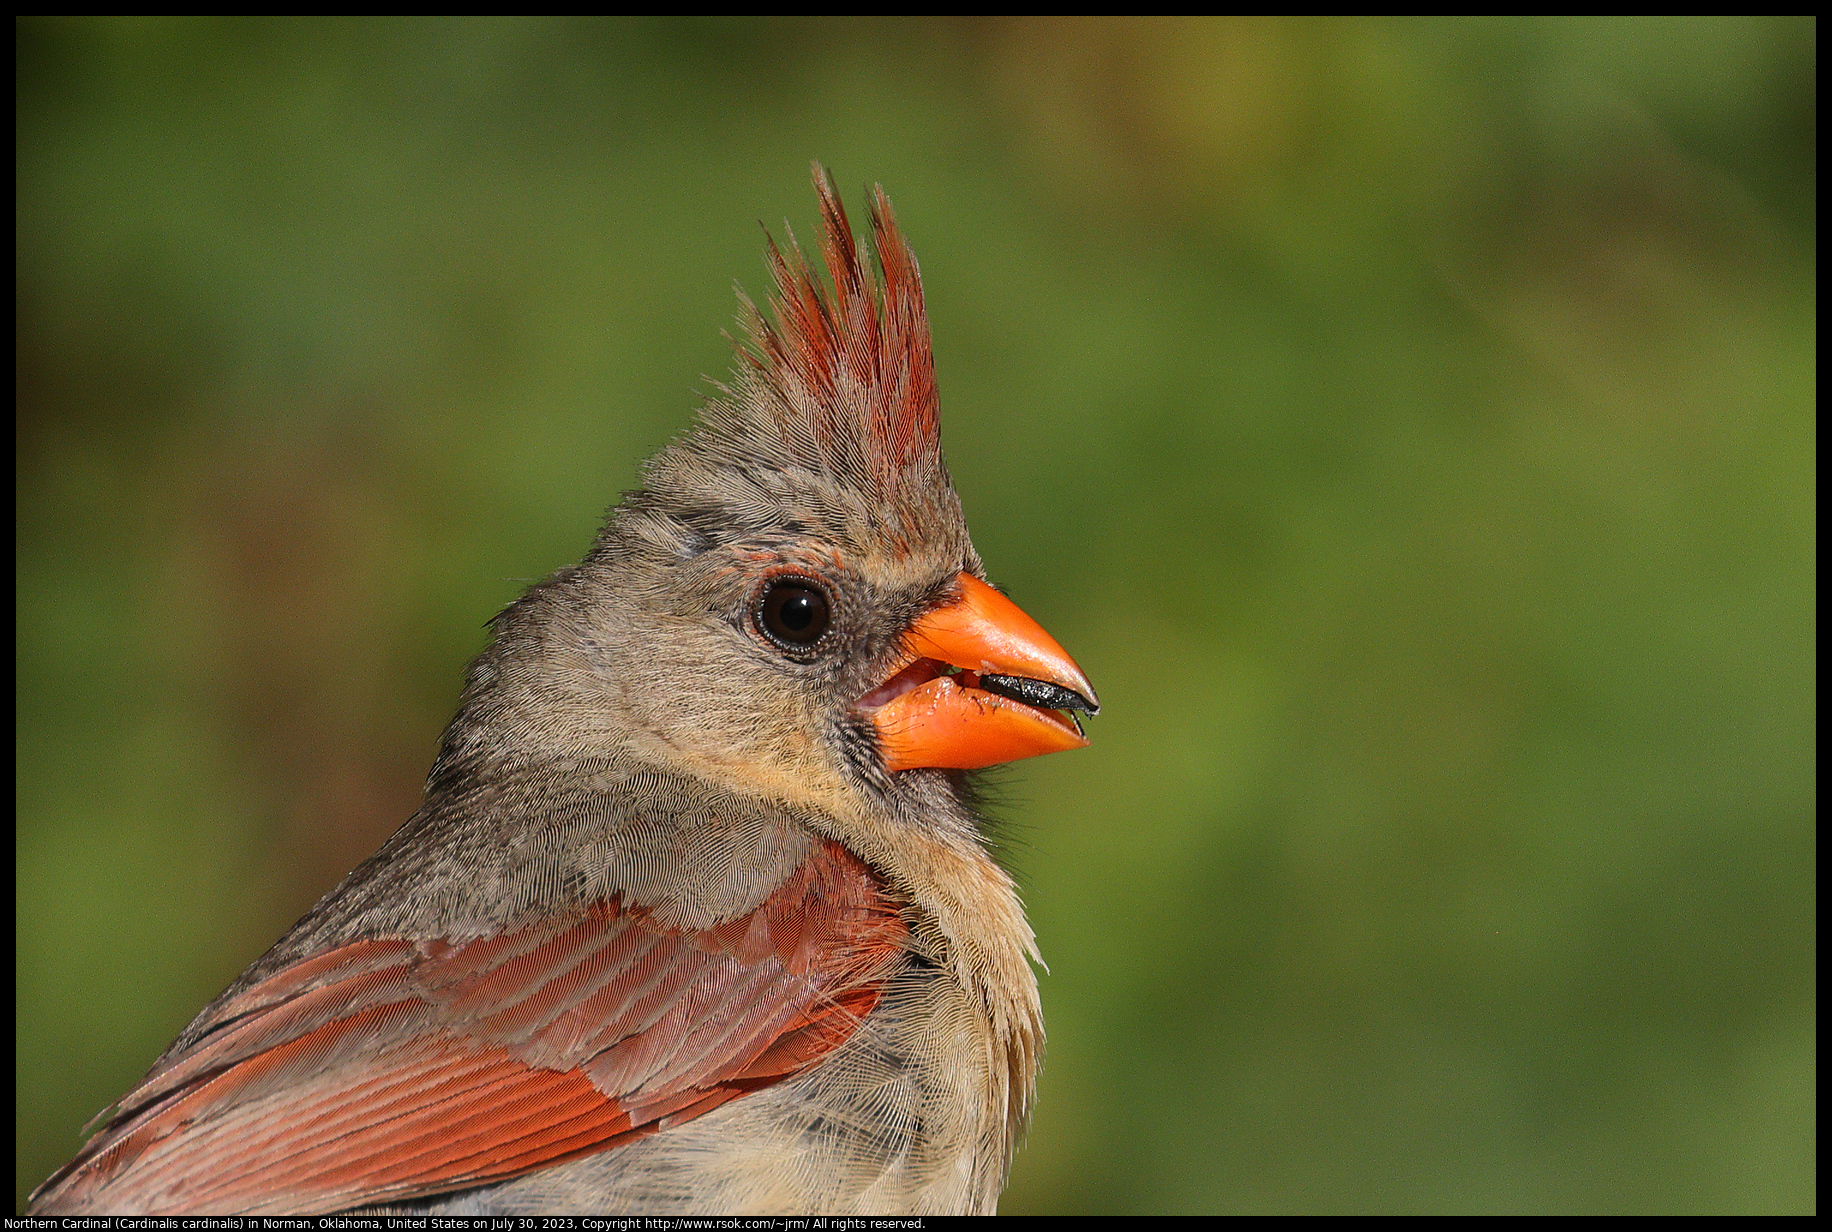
[{"x": 698, "y": 914}]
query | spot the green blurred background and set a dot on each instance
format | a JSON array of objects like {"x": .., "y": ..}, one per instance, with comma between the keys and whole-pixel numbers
[{"x": 1408, "y": 424}]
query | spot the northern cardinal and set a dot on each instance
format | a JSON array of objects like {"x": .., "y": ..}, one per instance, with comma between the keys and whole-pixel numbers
[{"x": 696, "y": 916}]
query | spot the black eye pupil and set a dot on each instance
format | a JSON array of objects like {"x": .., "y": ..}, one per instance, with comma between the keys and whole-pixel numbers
[
  {"x": 799, "y": 611},
  {"x": 795, "y": 613}
]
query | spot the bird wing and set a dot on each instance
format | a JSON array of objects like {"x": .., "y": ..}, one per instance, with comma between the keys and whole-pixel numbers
[{"x": 391, "y": 1068}]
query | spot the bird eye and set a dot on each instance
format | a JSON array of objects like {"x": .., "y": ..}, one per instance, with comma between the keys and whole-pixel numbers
[{"x": 794, "y": 613}]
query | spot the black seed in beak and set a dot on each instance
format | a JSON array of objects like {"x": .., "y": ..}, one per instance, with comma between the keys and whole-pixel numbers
[{"x": 1039, "y": 693}]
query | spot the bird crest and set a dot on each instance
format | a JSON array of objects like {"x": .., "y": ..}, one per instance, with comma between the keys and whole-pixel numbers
[{"x": 846, "y": 372}]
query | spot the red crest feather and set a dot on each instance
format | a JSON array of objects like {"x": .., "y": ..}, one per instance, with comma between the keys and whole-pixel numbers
[{"x": 853, "y": 369}]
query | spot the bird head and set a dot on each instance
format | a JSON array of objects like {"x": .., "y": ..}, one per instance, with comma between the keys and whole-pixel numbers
[{"x": 792, "y": 601}]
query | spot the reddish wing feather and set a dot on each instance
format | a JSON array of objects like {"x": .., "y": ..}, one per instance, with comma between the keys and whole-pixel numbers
[{"x": 388, "y": 1069}]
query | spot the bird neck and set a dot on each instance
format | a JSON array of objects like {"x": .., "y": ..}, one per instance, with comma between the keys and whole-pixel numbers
[{"x": 969, "y": 919}]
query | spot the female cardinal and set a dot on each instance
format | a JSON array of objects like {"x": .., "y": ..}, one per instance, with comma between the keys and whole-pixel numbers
[{"x": 695, "y": 916}]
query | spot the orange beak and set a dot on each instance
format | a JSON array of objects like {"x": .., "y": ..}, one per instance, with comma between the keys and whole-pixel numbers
[{"x": 1010, "y": 698}]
